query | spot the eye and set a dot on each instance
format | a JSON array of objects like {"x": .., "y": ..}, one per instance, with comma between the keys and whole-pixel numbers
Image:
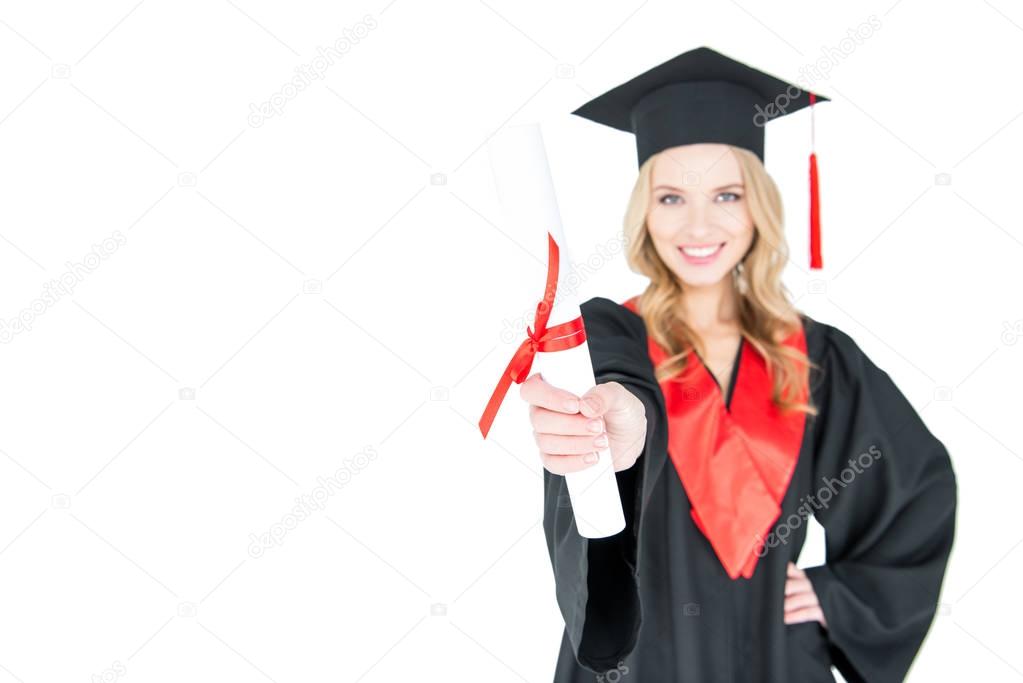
[
  {"x": 732, "y": 197},
  {"x": 674, "y": 199}
]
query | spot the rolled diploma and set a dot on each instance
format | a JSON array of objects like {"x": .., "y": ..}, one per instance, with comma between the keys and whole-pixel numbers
[{"x": 526, "y": 191}]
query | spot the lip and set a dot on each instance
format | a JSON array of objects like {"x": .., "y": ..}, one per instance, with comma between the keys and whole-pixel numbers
[{"x": 702, "y": 260}]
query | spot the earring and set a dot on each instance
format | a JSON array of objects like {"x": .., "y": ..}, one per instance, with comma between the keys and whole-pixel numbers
[{"x": 739, "y": 273}]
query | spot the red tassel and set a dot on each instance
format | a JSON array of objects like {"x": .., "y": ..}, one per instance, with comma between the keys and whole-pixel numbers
[
  {"x": 815, "y": 216},
  {"x": 816, "y": 261}
]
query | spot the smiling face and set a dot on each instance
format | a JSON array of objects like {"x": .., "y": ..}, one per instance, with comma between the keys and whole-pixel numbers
[{"x": 698, "y": 218}]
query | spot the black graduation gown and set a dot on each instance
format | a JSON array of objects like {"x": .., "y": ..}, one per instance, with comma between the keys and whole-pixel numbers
[{"x": 653, "y": 603}]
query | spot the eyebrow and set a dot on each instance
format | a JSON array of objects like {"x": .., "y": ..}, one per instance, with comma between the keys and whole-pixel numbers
[{"x": 717, "y": 189}]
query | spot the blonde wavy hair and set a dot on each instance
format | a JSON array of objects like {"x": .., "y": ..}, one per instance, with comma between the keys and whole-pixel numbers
[{"x": 766, "y": 313}]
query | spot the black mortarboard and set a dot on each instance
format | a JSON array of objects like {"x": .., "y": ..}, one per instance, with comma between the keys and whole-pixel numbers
[{"x": 703, "y": 96}]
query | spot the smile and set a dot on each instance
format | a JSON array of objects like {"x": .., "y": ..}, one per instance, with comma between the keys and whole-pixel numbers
[{"x": 701, "y": 253}]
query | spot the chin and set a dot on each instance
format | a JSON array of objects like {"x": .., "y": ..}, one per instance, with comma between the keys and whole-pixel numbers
[{"x": 700, "y": 277}]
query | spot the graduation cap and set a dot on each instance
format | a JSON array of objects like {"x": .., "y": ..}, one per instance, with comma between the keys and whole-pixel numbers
[{"x": 704, "y": 96}]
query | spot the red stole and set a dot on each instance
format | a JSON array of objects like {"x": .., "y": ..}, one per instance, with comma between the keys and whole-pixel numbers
[{"x": 736, "y": 463}]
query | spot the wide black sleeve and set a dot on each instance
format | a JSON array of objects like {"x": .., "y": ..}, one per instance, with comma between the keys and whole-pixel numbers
[
  {"x": 595, "y": 579},
  {"x": 886, "y": 497}
]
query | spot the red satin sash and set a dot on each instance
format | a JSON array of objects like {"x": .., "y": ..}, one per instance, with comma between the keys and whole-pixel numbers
[{"x": 736, "y": 463}]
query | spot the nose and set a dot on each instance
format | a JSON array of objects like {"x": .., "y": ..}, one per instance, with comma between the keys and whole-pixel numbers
[{"x": 697, "y": 222}]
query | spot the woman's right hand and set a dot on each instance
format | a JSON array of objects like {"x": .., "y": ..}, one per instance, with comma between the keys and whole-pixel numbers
[{"x": 568, "y": 428}]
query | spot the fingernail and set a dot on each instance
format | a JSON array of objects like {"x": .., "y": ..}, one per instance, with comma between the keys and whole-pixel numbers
[
  {"x": 600, "y": 441},
  {"x": 596, "y": 426},
  {"x": 572, "y": 405},
  {"x": 590, "y": 458}
]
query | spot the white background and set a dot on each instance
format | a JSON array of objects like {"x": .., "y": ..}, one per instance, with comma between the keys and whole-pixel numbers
[{"x": 331, "y": 290}]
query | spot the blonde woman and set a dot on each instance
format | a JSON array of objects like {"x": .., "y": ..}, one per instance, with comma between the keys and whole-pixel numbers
[{"x": 732, "y": 418}]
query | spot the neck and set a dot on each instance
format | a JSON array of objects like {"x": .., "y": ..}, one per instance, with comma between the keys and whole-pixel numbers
[{"x": 711, "y": 306}]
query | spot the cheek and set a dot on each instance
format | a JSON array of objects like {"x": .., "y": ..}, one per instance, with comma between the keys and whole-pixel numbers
[
  {"x": 662, "y": 235},
  {"x": 742, "y": 234},
  {"x": 661, "y": 226},
  {"x": 735, "y": 219},
  {"x": 740, "y": 244}
]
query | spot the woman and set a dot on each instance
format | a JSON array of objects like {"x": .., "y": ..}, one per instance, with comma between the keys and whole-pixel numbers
[{"x": 731, "y": 418}]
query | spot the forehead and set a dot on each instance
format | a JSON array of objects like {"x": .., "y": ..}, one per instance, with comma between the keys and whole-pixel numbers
[{"x": 697, "y": 164}]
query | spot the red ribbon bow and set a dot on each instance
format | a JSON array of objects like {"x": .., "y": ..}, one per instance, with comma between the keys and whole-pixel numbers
[{"x": 557, "y": 338}]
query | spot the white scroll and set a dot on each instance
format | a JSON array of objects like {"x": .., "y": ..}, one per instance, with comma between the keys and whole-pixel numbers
[{"x": 526, "y": 192}]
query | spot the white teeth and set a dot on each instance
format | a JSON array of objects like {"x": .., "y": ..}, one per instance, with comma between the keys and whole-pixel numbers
[{"x": 700, "y": 252}]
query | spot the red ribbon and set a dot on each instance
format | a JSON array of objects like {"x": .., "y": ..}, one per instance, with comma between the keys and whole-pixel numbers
[{"x": 557, "y": 338}]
